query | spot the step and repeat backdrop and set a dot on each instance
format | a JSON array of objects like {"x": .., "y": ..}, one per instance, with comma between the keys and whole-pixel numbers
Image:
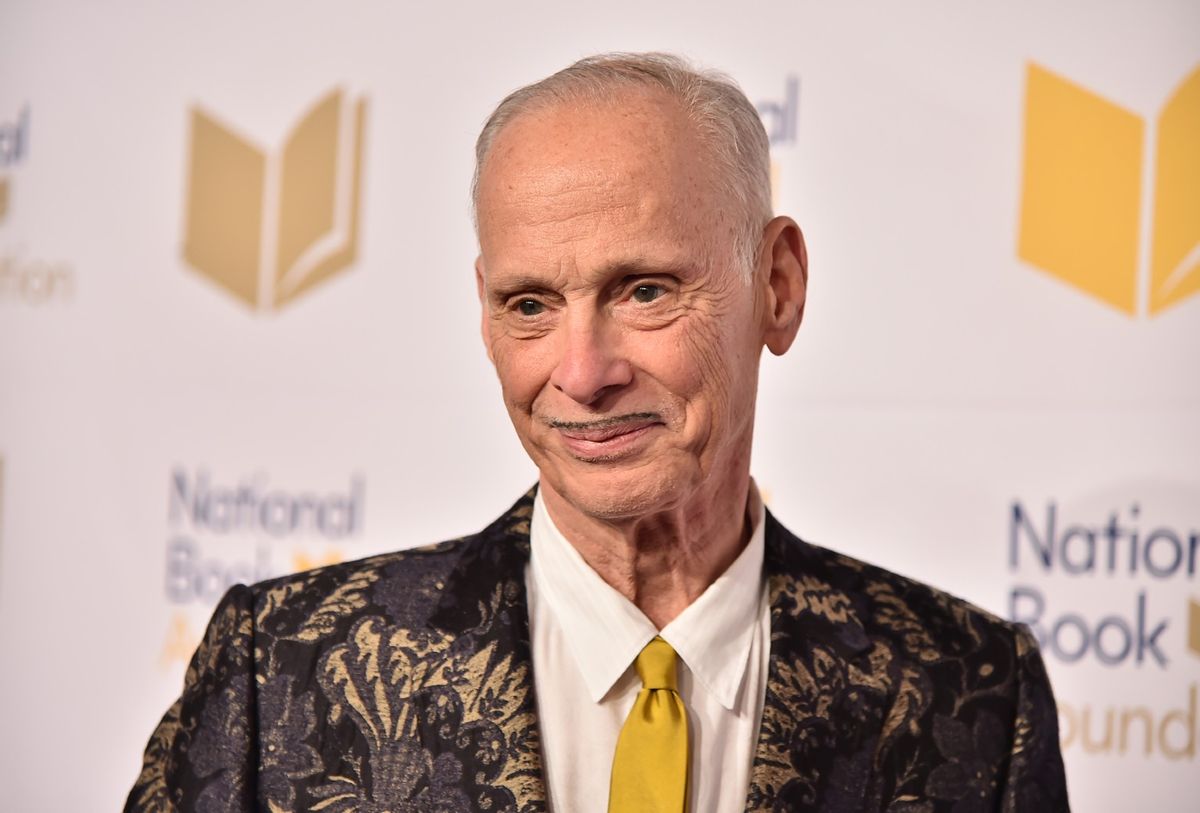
[{"x": 239, "y": 336}]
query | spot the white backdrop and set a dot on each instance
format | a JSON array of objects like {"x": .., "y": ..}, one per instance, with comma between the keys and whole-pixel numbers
[{"x": 945, "y": 396}]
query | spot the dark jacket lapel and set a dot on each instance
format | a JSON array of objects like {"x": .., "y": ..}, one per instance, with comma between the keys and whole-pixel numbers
[
  {"x": 813, "y": 751},
  {"x": 484, "y": 612},
  {"x": 821, "y": 682}
]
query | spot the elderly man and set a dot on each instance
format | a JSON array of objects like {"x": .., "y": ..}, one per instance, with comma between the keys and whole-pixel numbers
[{"x": 637, "y": 633}]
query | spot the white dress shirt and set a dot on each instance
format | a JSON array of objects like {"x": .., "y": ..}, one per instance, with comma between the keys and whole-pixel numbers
[{"x": 585, "y": 637}]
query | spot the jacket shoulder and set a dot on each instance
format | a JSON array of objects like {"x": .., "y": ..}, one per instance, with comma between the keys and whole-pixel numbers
[
  {"x": 403, "y": 587},
  {"x": 436, "y": 557},
  {"x": 409, "y": 588}
]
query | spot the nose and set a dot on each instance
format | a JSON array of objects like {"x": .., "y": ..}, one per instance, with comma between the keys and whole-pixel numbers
[{"x": 590, "y": 363}]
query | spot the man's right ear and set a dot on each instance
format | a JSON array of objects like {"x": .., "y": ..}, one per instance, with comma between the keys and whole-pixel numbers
[{"x": 484, "y": 324}]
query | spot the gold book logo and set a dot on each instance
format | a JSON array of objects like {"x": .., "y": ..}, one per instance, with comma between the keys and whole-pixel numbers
[
  {"x": 1084, "y": 190},
  {"x": 268, "y": 228},
  {"x": 3, "y": 199}
]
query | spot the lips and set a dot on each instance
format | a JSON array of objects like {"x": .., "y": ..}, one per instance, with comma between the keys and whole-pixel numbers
[
  {"x": 605, "y": 433},
  {"x": 607, "y": 441}
]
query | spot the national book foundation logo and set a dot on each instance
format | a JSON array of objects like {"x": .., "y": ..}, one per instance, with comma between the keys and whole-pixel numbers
[
  {"x": 269, "y": 226},
  {"x": 1091, "y": 215},
  {"x": 1110, "y": 590},
  {"x": 25, "y": 277},
  {"x": 222, "y": 531}
]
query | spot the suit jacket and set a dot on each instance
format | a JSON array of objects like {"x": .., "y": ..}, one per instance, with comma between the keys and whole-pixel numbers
[{"x": 403, "y": 682}]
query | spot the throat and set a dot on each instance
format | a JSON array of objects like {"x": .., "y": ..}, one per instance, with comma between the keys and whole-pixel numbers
[{"x": 662, "y": 562}]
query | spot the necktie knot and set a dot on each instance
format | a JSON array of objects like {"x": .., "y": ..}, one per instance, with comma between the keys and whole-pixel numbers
[
  {"x": 656, "y": 665},
  {"x": 650, "y": 765}
]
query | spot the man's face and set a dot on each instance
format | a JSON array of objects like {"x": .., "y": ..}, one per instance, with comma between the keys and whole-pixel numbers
[{"x": 625, "y": 338}]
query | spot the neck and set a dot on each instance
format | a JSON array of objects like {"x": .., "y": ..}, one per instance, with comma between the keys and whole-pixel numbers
[{"x": 663, "y": 561}]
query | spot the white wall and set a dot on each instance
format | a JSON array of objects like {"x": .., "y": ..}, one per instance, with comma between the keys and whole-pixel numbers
[{"x": 938, "y": 382}]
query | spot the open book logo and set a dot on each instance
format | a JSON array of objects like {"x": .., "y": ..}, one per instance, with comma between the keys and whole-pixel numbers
[
  {"x": 269, "y": 227},
  {"x": 1093, "y": 212}
]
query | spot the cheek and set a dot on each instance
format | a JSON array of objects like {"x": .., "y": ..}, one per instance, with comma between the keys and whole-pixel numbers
[
  {"x": 713, "y": 364},
  {"x": 692, "y": 362},
  {"x": 523, "y": 368},
  {"x": 718, "y": 352}
]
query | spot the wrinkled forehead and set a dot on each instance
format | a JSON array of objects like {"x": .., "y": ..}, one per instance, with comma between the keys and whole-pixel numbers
[{"x": 572, "y": 166}]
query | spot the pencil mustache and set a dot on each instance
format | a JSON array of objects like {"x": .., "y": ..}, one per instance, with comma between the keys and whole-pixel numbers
[{"x": 602, "y": 423}]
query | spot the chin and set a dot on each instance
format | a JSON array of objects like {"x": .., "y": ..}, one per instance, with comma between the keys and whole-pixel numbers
[{"x": 610, "y": 492}]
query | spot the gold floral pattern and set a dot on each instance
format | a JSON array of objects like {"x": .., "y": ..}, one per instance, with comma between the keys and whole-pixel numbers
[
  {"x": 403, "y": 683},
  {"x": 884, "y": 694}
]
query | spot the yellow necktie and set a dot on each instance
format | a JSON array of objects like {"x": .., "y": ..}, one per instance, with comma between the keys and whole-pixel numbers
[{"x": 650, "y": 766}]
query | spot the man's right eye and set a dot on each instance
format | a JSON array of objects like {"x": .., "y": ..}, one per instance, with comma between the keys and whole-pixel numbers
[{"x": 530, "y": 307}]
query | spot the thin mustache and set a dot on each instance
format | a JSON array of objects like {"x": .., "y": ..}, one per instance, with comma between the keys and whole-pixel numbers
[{"x": 603, "y": 423}]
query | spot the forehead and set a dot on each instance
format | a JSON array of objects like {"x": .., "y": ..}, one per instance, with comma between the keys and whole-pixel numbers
[{"x": 627, "y": 169}]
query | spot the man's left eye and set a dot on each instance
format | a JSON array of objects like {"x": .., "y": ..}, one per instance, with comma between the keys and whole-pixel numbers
[
  {"x": 530, "y": 307},
  {"x": 647, "y": 293}
]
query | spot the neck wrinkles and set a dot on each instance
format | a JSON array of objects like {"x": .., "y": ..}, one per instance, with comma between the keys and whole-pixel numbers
[{"x": 664, "y": 561}]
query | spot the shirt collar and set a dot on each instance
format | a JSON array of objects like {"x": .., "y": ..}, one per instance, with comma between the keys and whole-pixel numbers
[{"x": 605, "y": 631}]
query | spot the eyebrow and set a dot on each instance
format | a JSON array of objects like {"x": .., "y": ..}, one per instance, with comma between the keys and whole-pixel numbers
[{"x": 640, "y": 266}]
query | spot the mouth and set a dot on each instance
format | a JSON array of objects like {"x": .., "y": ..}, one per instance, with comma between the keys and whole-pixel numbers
[{"x": 608, "y": 439}]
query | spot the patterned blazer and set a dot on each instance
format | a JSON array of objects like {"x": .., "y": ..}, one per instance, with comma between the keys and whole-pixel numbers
[{"x": 403, "y": 682}]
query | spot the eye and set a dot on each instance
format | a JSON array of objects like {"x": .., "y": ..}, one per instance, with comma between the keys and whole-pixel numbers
[
  {"x": 647, "y": 293},
  {"x": 530, "y": 307}
]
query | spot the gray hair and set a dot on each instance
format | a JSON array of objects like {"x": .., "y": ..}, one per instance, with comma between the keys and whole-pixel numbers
[{"x": 725, "y": 120}]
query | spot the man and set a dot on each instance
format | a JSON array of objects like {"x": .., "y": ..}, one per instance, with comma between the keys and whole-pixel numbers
[{"x": 637, "y": 633}]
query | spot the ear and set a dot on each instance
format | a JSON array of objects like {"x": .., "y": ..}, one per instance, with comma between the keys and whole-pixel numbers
[
  {"x": 786, "y": 259},
  {"x": 484, "y": 323}
]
